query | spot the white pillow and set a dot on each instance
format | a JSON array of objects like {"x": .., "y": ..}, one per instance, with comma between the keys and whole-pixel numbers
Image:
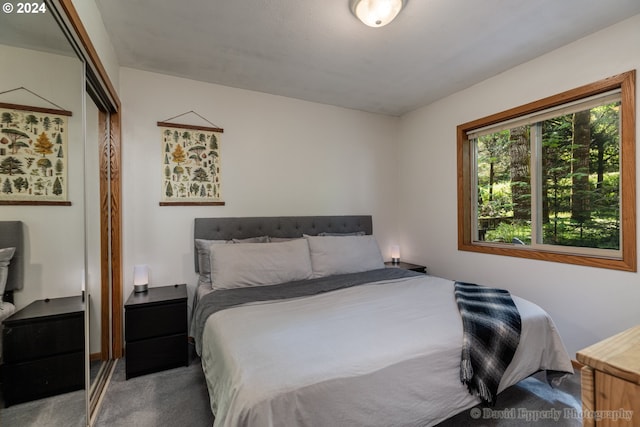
[
  {"x": 204, "y": 267},
  {"x": 259, "y": 264},
  {"x": 5, "y": 256},
  {"x": 202, "y": 248},
  {"x": 344, "y": 254}
]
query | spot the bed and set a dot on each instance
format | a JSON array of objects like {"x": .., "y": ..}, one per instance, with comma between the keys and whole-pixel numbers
[
  {"x": 335, "y": 339},
  {"x": 11, "y": 267}
]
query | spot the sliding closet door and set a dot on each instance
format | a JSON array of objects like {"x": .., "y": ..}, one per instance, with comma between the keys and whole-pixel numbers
[{"x": 42, "y": 80}]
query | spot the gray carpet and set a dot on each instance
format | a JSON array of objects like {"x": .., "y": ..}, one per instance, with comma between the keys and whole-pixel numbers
[
  {"x": 176, "y": 397},
  {"x": 66, "y": 410},
  {"x": 179, "y": 397}
]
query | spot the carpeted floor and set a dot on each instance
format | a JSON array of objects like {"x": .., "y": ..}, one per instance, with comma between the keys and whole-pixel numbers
[
  {"x": 176, "y": 397},
  {"x": 179, "y": 397},
  {"x": 66, "y": 410}
]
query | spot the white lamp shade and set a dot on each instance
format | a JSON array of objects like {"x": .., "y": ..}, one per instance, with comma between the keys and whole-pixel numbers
[
  {"x": 395, "y": 253},
  {"x": 141, "y": 274},
  {"x": 376, "y": 13}
]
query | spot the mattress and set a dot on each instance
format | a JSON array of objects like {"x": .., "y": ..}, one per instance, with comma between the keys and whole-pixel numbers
[{"x": 379, "y": 354}]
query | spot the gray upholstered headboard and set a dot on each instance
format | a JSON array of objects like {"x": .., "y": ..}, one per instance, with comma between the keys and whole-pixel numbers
[
  {"x": 12, "y": 236},
  {"x": 278, "y": 226}
]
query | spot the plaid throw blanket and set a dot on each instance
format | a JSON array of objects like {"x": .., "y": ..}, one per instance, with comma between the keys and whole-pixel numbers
[{"x": 491, "y": 332}]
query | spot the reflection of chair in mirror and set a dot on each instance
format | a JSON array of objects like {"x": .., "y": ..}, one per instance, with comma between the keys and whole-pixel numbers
[{"x": 43, "y": 343}]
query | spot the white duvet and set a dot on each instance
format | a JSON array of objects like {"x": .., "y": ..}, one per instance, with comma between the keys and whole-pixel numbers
[{"x": 384, "y": 354}]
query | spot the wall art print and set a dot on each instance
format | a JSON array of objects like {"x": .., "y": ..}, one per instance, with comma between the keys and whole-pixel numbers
[
  {"x": 190, "y": 165},
  {"x": 33, "y": 155}
]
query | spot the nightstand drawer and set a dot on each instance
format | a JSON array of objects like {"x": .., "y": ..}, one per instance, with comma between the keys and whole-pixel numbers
[
  {"x": 156, "y": 354},
  {"x": 154, "y": 321},
  {"x": 42, "y": 378},
  {"x": 37, "y": 339}
]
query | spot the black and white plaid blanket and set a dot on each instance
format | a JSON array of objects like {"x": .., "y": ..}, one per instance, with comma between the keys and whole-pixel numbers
[{"x": 491, "y": 332}]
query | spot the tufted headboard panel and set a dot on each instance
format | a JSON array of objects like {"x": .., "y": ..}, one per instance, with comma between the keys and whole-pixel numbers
[
  {"x": 12, "y": 235},
  {"x": 278, "y": 226}
]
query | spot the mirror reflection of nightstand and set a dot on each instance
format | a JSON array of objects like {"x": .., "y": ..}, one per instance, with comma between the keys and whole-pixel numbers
[
  {"x": 43, "y": 346},
  {"x": 407, "y": 266}
]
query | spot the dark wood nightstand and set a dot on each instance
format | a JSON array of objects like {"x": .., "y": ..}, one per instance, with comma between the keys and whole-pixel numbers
[
  {"x": 43, "y": 350},
  {"x": 407, "y": 266},
  {"x": 156, "y": 330}
]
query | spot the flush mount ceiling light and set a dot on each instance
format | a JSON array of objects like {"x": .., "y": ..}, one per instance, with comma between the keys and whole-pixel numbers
[{"x": 376, "y": 13}]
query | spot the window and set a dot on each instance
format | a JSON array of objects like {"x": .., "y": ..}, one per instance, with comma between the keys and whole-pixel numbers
[{"x": 554, "y": 179}]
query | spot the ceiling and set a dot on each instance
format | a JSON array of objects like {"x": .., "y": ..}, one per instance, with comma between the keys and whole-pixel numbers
[
  {"x": 37, "y": 31},
  {"x": 318, "y": 51}
]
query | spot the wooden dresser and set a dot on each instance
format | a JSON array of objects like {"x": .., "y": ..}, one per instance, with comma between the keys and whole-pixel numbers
[
  {"x": 43, "y": 350},
  {"x": 611, "y": 381}
]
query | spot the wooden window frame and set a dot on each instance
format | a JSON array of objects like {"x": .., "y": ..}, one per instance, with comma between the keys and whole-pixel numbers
[{"x": 626, "y": 82}]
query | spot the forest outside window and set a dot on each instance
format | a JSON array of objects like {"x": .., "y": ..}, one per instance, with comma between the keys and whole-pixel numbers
[{"x": 554, "y": 179}]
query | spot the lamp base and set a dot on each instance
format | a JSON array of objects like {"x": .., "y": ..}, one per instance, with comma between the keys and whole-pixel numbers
[
  {"x": 140, "y": 288},
  {"x": 395, "y": 260}
]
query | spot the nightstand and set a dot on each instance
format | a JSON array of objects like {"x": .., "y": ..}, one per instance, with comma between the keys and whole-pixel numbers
[
  {"x": 156, "y": 330},
  {"x": 611, "y": 379},
  {"x": 43, "y": 350},
  {"x": 407, "y": 266}
]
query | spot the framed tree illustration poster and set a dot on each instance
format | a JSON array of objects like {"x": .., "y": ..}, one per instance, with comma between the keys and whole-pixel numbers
[
  {"x": 190, "y": 165},
  {"x": 33, "y": 155}
]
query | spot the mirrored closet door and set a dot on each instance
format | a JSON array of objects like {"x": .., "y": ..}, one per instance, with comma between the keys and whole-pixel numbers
[
  {"x": 43, "y": 177},
  {"x": 103, "y": 207},
  {"x": 71, "y": 249}
]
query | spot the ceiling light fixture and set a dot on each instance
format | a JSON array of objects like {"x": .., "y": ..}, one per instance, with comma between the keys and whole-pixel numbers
[{"x": 376, "y": 13}]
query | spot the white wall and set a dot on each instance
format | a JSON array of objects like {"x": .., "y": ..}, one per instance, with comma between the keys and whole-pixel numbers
[
  {"x": 587, "y": 304},
  {"x": 54, "y": 246},
  {"x": 279, "y": 156}
]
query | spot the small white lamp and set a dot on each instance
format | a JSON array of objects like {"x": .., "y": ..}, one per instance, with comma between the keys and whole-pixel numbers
[
  {"x": 395, "y": 254},
  {"x": 140, "y": 278}
]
